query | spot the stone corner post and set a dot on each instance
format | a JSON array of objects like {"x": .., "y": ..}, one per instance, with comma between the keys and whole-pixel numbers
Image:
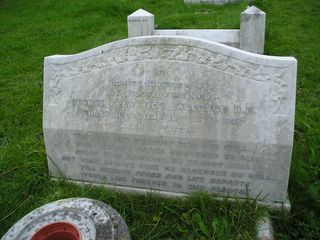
[
  {"x": 252, "y": 30},
  {"x": 140, "y": 23}
]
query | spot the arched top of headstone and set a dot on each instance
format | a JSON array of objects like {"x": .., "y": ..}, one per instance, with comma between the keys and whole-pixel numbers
[
  {"x": 182, "y": 50},
  {"x": 213, "y": 47}
]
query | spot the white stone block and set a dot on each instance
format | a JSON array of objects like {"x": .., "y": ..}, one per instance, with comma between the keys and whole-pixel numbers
[
  {"x": 140, "y": 23},
  {"x": 252, "y": 30},
  {"x": 229, "y": 37}
]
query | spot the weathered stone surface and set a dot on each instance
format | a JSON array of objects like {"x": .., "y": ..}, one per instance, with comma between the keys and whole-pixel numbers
[
  {"x": 95, "y": 220},
  {"x": 252, "y": 30},
  {"x": 230, "y": 37},
  {"x": 218, "y": 2},
  {"x": 173, "y": 114},
  {"x": 140, "y": 23}
]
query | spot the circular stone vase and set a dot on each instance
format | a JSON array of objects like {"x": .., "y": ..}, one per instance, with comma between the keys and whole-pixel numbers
[{"x": 70, "y": 219}]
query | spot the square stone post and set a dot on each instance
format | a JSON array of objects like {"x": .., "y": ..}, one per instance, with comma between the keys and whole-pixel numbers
[
  {"x": 252, "y": 30},
  {"x": 140, "y": 23}
]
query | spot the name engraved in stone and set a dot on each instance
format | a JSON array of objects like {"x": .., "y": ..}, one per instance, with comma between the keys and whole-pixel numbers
[{"x": 91, "y": 106}]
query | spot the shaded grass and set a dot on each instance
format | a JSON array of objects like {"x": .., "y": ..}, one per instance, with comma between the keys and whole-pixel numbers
[{"x": 33, "y": 29}]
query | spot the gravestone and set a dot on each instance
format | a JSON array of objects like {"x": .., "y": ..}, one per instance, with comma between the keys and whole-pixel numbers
[{"x": 172, "y": 114}]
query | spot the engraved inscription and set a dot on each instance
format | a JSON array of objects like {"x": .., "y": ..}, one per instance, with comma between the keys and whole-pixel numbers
[
  {"x": 175, "y": 165},
  {"x": 277, "y": 77}
]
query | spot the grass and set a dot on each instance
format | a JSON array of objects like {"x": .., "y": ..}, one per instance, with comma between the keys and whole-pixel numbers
[
  {"x": 153, "y": 217},
  {"x": 294, "y": 29},
  {"x": 33, "y": 29}
]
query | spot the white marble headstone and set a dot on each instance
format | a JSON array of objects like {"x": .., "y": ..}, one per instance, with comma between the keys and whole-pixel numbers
[{"x": 173, "y": 114}]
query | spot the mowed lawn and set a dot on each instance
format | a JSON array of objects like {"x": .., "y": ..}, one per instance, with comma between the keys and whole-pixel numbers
[{"x": 33, "y": 29}]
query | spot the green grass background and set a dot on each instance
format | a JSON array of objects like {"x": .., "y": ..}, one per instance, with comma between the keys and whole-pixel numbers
[{"x": 33, "y": 29}]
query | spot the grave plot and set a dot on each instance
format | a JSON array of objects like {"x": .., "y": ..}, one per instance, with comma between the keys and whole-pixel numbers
[{"x": 174, "y": 115}]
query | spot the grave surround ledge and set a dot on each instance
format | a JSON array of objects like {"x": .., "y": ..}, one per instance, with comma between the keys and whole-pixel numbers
[{"x": 250, "y": 36}]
